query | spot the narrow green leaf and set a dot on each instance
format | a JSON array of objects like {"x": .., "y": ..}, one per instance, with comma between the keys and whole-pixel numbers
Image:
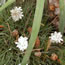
[
  {"x": 35, "y": 29},
  {"x": 62, "y": 24},
  {"x": 62, "y": 16},
  {"x": 9, "y": 2}
]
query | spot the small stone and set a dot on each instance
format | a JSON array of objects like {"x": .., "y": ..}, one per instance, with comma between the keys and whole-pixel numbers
[
  {"x": 38, "y": 54},
  {"x": 54, "y": 57}
]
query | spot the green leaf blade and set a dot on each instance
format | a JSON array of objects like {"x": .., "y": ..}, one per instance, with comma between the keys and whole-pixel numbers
[
  {"x": 62, "y": 16},
  {"x": 9, "y": 2},
  {"x": 35, "y": 29}
]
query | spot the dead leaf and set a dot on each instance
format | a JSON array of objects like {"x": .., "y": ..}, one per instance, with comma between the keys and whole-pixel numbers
[
  {"x": 29, "y": 29},
  {"x": 54, "y": 6},
  {"x": 15, "y": 34},
  {"x": 59, "y": 60},
  {"x": 37, "y": 43},
  {"x": 1, "y": 26}
]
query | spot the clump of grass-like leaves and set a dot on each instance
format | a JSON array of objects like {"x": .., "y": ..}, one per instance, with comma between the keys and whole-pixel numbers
[{"x": 32, "y": 9}]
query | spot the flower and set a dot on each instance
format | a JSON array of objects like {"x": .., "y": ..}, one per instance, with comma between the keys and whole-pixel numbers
[
  {"x": 56, "y": 37},
  {"x": 10, "y": 48},
  {"x": 20, "y": 64},
  {"x": 22, "y": 43},
  {"x": 16, "y": 13},
  {"x": 23, "y": 0},
  {"x": 4, "y": 64}
]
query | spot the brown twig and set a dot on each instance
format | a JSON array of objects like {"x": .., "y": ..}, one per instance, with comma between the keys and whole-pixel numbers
[
  {"x": 9, "y": 28},
  {"x": 37, "y": 49},
  {"x": 53, "y": 20}
]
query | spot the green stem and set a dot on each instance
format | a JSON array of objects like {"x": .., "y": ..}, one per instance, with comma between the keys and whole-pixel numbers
[
  {"x": 62, "y": 16},
  {"x": 9, "y": 2},
  {"x": 35, "y": 30}
]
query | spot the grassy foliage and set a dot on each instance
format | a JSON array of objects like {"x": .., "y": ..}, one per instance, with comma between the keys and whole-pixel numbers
[{"x": 10, "y": 54}]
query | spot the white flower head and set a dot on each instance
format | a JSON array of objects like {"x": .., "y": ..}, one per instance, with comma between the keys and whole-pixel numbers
[
  {"x": 56, "y": 37},
  {"x": 4, "y": 64},
  {"x": 26, "y": 64},
  {"x": 22, "y": 43},
  {"x": 20, "y": 64},
  {"x": 16, "y": 13},
  {"x": 10, "y": 48}
]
